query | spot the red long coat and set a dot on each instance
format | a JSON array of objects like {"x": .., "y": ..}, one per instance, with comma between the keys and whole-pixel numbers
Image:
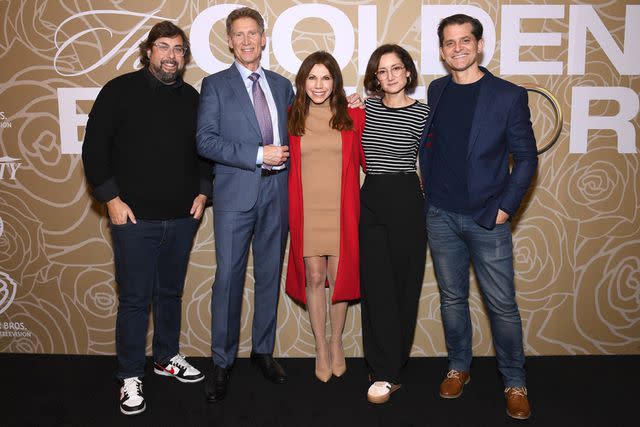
[{"x": 348, "y": 279}]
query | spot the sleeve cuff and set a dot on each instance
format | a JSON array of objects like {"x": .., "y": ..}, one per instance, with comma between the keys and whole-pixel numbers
[
  {"x": 106, "y": 191},
  {"x": 260, "y": 155},
  {"x": 508, "y": 211},
  {"x": 206, "y": 187}
]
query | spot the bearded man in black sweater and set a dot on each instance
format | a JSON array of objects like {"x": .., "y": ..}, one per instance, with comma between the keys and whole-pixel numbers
[{"x": 139, "y": 156}]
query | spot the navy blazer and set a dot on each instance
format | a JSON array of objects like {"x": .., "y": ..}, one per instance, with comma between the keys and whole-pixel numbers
[
  {"x": 228, "y": 133},
  {"x": 501, "y": 127}
]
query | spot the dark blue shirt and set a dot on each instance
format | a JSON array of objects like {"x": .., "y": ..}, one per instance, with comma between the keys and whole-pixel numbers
[{"x": 449, "y": 135}]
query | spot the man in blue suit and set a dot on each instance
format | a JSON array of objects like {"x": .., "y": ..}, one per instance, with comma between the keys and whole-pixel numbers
[
  {"x": 242, "y": 127},
  {"x": 477, "y": 122}
]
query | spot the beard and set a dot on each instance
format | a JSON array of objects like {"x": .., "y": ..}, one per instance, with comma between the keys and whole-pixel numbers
[{"x": 164, "y": 76}]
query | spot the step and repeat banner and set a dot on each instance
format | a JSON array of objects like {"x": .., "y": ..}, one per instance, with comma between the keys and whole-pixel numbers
[{"x": 577, "y": 238}]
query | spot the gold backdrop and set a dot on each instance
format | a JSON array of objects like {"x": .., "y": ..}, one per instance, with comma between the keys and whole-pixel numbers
[{"x": 577, "y": 238}]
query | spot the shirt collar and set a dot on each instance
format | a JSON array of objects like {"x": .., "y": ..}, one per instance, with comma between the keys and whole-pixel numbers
[
  {"x": 245, "y": 72},
  {"x": 154, "y": 83}
]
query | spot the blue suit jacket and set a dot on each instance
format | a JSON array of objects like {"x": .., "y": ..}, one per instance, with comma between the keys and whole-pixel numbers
[
  {"x": 501, "y": 126},
  {"x": 228, "y": 133}
]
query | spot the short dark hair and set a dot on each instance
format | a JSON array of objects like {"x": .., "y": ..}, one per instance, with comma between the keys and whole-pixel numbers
[
  {"x": 460, "y": 19},
  {"x": 163, "y": 29},
  {"x": 371, "y": 83},
  {"x": 245, "y": 12}
]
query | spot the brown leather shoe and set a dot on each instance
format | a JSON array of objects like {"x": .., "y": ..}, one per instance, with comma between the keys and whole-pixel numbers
[
  {"x": 517, "y": 402},
  {"x": 451, "y": 387}
]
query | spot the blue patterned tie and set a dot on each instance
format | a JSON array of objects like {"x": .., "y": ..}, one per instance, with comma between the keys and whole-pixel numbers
[{"x": 262, "y": 110}]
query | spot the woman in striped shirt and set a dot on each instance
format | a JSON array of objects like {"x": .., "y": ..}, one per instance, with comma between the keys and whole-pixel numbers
[{"x": 392, "y": 223}]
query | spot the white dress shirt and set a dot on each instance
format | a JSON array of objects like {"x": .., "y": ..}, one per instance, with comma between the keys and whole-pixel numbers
[{"x": 264, "y": 84}]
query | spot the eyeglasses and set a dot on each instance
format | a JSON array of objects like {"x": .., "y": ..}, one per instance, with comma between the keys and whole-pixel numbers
[
  {"x": 395, "y": 71},
  {"x": 177, "y": 50}
]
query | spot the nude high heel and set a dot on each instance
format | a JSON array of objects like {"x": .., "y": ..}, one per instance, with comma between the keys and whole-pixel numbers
[
  {"x": 338, "y": 363},
  {"x": 323, "y": 373}
]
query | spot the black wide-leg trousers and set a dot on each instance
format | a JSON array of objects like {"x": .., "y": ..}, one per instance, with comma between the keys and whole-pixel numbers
[{"x": 393, "y": 245}]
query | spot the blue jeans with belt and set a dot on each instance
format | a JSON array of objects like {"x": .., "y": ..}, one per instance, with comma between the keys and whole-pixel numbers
[
  {"x": 455, "y": 240},
  {"x": 151, "y": 259}
]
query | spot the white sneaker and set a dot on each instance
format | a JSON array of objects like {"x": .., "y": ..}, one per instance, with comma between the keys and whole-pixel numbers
[
  {"x": 131, "y": 396},
  {"x": 180, "y": 369},
  {"x": 380, "y": 391}
]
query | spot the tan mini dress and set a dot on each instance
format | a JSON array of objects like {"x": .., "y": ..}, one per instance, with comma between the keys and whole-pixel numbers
[{"x": 321, "y": 171}]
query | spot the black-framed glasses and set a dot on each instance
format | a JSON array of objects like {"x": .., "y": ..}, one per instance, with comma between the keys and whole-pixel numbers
[
  {"x": 395, "y": 71},
  {"x": 177, "y": 50}
]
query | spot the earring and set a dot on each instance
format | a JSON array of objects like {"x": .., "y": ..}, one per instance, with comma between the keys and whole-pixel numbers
[
  {"x": 409, "y": 80},
  {"x": 378, "y": 86}
]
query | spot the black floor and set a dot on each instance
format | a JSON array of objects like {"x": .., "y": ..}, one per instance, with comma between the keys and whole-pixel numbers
[{"x": 52, "y": 390}]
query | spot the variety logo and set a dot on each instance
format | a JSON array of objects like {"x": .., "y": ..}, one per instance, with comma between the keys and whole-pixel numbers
[{"x": 8, "y": 168}]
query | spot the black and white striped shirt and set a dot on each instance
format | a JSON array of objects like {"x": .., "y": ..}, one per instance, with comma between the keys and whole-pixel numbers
[{"x": 391, "y": 136}]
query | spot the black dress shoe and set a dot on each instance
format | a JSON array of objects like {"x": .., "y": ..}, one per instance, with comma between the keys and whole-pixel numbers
[
  {"x": 269, "y": 367},
  {"x": 216, "y": 386}
]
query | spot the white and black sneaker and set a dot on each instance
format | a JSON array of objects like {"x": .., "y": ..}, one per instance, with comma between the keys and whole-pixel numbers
[
  {"x": 180, "y": 369},
  {"x": 131, "y": 396}
]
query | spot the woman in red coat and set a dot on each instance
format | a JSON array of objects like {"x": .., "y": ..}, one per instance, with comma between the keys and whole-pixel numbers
[{"x": 324, "y": 204}]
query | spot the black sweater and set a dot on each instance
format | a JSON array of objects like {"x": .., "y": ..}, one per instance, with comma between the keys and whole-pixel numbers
[{"x": 140, "y": 144}]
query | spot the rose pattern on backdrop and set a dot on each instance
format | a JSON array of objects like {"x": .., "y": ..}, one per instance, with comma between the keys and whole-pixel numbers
[{"x": 576, "y": 240}]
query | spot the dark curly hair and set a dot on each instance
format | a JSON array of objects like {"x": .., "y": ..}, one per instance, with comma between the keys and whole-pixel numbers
[{"x": 163, "y": 29}]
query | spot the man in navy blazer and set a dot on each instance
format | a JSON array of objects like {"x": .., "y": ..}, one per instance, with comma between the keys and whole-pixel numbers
[
  {"x": 242, "y": 127},
  {"x": 477, "y": 122}
]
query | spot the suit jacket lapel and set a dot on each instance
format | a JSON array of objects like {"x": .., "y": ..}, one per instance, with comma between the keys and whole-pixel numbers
[
  {"x": 479, "y": 116},
  {"x": 236, "y": 83},
  {"x": 433, "y": 106}
]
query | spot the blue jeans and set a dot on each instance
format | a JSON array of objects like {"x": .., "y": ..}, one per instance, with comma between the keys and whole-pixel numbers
[
  {"x": 151, "y": 260},
  {"x": 455, "y": 240}
]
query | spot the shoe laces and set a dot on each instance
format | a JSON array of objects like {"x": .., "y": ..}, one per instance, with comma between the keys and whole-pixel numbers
[
  {"x": 453, "y": 374},
  {"x": 516, "y": 391},
  {"x": 180, "y": 361},
  {"x": 132, "y": 387}
]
